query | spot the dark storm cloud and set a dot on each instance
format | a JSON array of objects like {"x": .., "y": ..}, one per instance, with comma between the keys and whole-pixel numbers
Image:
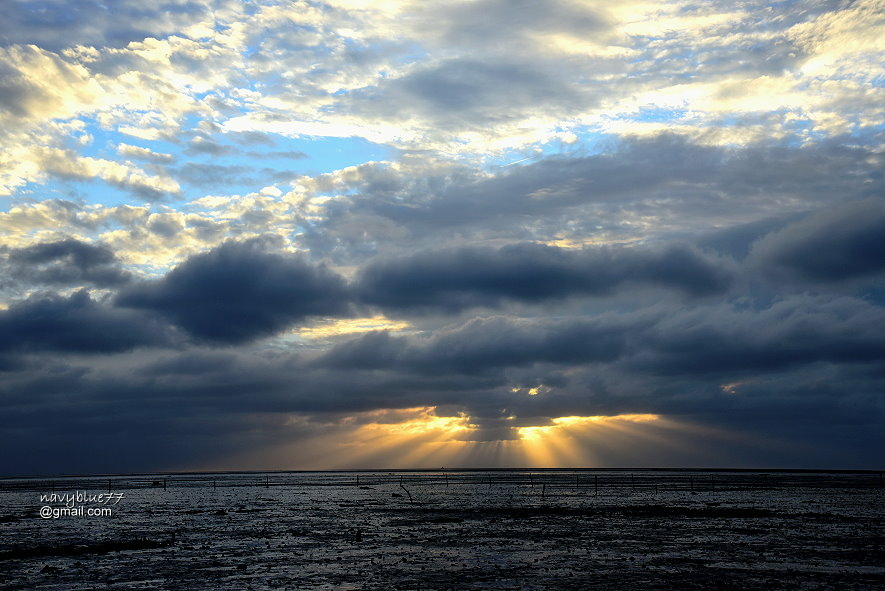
[
  {"x": 75, "y": 324},
  {"x": 66, "y": 262},
  {"x": 720, "y": 341},
  {"x": 92, "y": 22},
  {"x": 799, "y": 330},
  {"x": 816, "y": 359},
  {"x": 197, "y": 363},
  {"x": 483, "y": 345},
  {"x": 239, "y": 292},
  {"x": 835, "y": 244},
  {"x": 75, "y": 421},
  {"x": 465, "y": 277},
  {"x": 735, "y": 241}
]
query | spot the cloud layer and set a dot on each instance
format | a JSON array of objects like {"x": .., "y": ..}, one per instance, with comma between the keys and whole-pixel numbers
[{"x": 234, "y": 232}]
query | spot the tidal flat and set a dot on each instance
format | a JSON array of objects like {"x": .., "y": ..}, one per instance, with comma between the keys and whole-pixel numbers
[{"x": 437, "y": 530}]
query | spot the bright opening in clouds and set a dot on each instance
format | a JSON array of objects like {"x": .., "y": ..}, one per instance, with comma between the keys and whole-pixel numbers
[{"x": 257, "y": 234}]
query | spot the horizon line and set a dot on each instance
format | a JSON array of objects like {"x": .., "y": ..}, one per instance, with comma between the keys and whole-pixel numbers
[{"x": 447, "y": 470}]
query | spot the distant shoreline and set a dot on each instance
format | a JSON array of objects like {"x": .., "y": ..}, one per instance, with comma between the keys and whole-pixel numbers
[{"x": 448, "y": 470}]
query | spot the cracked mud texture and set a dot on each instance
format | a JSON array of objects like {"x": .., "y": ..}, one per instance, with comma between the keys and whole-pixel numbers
[{"x": 502, "y": 530}]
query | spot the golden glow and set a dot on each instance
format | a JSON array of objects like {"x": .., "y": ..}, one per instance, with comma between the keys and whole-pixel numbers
[
  {"x": 633, "y": 418},
  {"x": 427, "y": 437},
  {"x": 332, "y": 328},
  {"x": 419, "y": 437},
  {"x": 426, "y": 422},
  {"x": 532, "y": 391},
  {"x": 581, "y": 441},
  {"x": 535, "y": 434},
  {"x": 404, "y": 437}
]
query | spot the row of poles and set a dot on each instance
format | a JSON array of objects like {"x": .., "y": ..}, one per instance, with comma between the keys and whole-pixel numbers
[
  {"x": 164, "y": 482},
  {"x": 672, "y": 484}
]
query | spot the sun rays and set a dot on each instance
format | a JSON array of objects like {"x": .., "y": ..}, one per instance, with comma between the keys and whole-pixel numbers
[
  {"x": 429, "y": 437},
  {"x": 420, "y": 438}
]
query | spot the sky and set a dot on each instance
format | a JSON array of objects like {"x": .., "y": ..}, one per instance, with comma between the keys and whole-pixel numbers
[{"x": 259, "y": 234}]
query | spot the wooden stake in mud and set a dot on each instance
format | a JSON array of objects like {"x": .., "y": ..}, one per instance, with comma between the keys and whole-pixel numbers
[
  {"x": 407, "y": 490},
  {"x": 490, "y": 480},
  {"x": 596, "y": 484},
  {"x": 357, "y": 479},
  {"x": 164, "y": 484},
  {"x": 447, "y": 479},
  {"x": 109, "y": 485},
  {"x": 712, "y": 483},
  {"x": 214, "y": 484},
  {"x": 691, "y": 482},
  {"x": 543, "y": 489},
  {"x": 267, "y": 482},
  {"x": 532, "y": 480},
  {"x": 577, "y": 481}
]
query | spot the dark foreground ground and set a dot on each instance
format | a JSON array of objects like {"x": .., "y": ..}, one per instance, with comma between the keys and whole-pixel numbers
[{"x": 503, "y": 530}]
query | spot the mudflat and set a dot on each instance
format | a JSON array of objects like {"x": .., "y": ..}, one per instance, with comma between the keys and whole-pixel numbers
[{"x": 452, "y": 530}]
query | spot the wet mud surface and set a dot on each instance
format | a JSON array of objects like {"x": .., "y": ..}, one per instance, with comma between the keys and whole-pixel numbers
[{"x": 469, "y": 532}]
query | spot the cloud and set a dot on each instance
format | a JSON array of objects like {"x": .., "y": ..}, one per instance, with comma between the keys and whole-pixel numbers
[
  {"x": 191, "y": 364},
  {"x": 37, "y": 84},
  {"x": 91, "y": 22},
  {"x": 238, "y": 292},
  {"x": 253, "y": 138},
  {"x": 67, "y": 262},
  {"x": 67, "y": 164},
  {"x": 289, "y": 154},
  {"x": 837, "y": 243},
  {"x": 202, "y": 175},
  {"x": 140, "y": 153},
  {"x": 76, "y": 324},
  {"x": 794, "y": 331},
  {"x": 658, "y": 188},
  {"x": 736, "y": 241},
  {"x": 584, "y": 209},
  {"x": 482, "y": 345},
  {"x": 512, "y": 25},
  {"x": 813, "y": 359},
  {"x": 427, "y": 78},
  {"x": 202, "y": 144},
  {"x": 714, "y": 340},
  {"x": 461, "y": 93},
  {"x": 455, "y": 279}
]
